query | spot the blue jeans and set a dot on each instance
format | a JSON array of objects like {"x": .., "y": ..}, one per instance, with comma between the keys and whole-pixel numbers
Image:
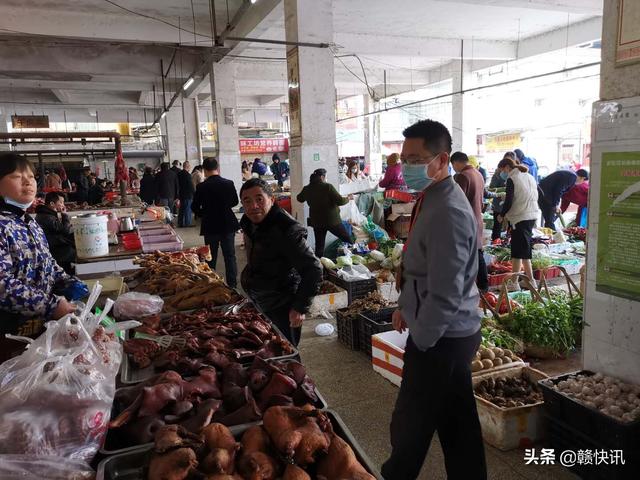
[
  {"x": 184, "y": 216},
  {"x": 227, "y": 242}
]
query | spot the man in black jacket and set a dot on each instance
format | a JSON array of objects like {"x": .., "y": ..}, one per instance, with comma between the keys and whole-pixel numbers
[
  {"x": 186, "y": 195},
  {"x": 213, "y": 201},
  {"x": 553, "y": 187},
  {"x": 282, "y": 274},
  {"x": 167, "y": 187},
  {"x": 57, "y": 228},
  {"x": 82, "y": 187},
  {"x": 148, "y": 186}
]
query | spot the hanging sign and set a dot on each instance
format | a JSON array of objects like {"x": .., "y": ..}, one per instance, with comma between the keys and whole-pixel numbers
[
  {"x": 502, "y": 143},
  {"x": 293, "y": 76},
  {"x": 263, "y": 145},
  {"x": 30, "y": 121},
  {"x": 628, "y": 40}
]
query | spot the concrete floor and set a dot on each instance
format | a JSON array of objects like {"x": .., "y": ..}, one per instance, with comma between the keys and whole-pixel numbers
[{"x": 365, "y": 400}]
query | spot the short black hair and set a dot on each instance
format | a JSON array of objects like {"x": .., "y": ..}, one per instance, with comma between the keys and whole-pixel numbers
[
  {"x": 164, "y": 166},
  {"x": 176, "y": 162},
  {"x": 275, "y": 156},
  {"x": 320, "y": 171},
  {"x": 459, "y": 157},
  {"x": 583, "y": 173},
  {"x": 257, "y": 182},
  {"x": 52, "y": 197},
  {"x": 210, "y": 164},
  {"x": 435, "y": 135},
  {"x": 148, "y": 170},
  {"x": 12, "y": 162}
]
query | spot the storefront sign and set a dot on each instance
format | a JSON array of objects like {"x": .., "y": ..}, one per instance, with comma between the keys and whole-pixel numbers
[
  {"x": 293, "y": 75},
  {"x": 628, "y": 41},
  {"x": 263, "y": 145},
  {"x": 30, "y": 121},
  {"x": 502, "y": 143},
  {"x": 618, "y": 270}
]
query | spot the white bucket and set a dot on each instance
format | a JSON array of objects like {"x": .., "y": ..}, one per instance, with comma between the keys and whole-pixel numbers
[{"x": 91, "y": 234}]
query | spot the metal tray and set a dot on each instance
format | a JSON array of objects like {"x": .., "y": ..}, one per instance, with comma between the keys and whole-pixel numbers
[
  {"x": 131, "y": 465},
  {"x": 129, "y": 375},
  {"x": 321, "y": 404}
]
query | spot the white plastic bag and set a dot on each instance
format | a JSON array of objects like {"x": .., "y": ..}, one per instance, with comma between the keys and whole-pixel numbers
[
  {"x": 56, "y": 398},
  {"x": 28, "y": 467},
  {"x": 355, "y": 272},
  {"x": 134, "y": 305},
  {"x": 351, "y": 214}
]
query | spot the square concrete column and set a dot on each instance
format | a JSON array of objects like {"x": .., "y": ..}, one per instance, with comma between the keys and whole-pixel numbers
[
  {"x": 312, "y": 98},
  {"x": 372, "y": 139},
  {"x": 4, "y": 128},
  {"x": 174, "y": 133},
  {"x": 224, "y": 106},
  {"x": 462, "y": 122},
  {"x": 191, "y": 117}
]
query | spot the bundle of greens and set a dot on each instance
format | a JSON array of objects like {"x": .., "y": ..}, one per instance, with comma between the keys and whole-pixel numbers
[
  {"x": 495, "y": 336},
  {"x": 555, "y": 324}
]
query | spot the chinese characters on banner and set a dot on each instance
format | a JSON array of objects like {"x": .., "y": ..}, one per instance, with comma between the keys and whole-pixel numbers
[
  {"x": 617, "y": 271},
  {"x": 502, "y": 143},
  {"x": 263, "y": 145}
]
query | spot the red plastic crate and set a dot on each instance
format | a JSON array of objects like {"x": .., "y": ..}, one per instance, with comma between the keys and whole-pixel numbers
[
  {"x": 497, "y": 279},
  {"x": 551, "y": 272},
  {"x": 399, "y": 195}
]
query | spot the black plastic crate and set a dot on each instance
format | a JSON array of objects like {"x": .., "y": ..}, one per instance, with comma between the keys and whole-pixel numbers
[
  {"x": 610, "y": 432},
  {"x": 372, "y": 323},
  {"x": 348, "y": 329},
  {"x": 563, "y": 437},
  {"x": 356, "y": 289}
]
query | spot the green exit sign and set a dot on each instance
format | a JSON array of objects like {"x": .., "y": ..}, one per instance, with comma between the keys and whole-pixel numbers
[{"x": 316, "y": 157}]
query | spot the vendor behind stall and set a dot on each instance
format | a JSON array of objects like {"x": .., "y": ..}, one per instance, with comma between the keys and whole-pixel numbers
[
  {"x": 324, "y": 212},
  {"x": 30, "y": 275},
  {"x": 282, "y": 275},
  {"x": 393, "y": 179},
  {"x": 353, "y": 171},
  {"x": 56, "y": 225}
]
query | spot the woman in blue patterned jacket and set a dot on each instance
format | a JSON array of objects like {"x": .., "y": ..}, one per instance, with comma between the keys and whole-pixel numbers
[{"x": 28, "y": 273}]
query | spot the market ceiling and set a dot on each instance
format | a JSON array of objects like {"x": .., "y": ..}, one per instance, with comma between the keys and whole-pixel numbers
[{"x": 105, "y": 54}]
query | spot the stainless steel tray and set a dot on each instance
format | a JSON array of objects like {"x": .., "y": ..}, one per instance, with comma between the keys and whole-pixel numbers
[{"x": 131, "y": 465}]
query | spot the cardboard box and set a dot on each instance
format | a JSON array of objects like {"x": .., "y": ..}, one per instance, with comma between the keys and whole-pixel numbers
[
  {"x": 400, "y": 208},
  {"x": 387, "y": 352},
  {"x": 400, "y": 223}
]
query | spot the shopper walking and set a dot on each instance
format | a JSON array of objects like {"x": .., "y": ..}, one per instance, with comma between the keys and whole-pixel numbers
[
  {"x": 529, "y": 162},
  {"x": 197, "y": 175},
  {"x": 213, "y": 202},
  {"x": 472, "y": 184},
  {"x": 279, "y": 169},
  {"x": 148, "y": 186},
  {"x": 324, "y": 212},
  {"x": 520, "y": 208},
  {"x": 393, "y": 179},
  {"x": 30, "y": 275},
  {"x": 553, "y": 187},
  {"x": 578, "y": 194},
  {"x": 55, "y": 223},
  {"x": 167, "y": 187},
  {"x": 185, "y": 182},
  {"x": 438, "y": 305},
  {"x": 497, "y": 198},
  {"x": 282, "y": 275}
]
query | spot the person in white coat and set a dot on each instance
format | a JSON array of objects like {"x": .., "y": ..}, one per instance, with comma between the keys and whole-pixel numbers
[{"x": 520, "y": 208}]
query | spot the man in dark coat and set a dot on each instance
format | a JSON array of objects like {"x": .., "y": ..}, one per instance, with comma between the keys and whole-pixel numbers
[
  {"x": 148, "y": 186},
  {"x": 82, "y": 187},
  {"x": 55, "y": 223},
  {"x": 279, "y": 169},
  {"x": 553, "y": 187},
  {"x": 213, "y": 202},
  {"x": 186, "y": 195},
  {"x": 167, "y": 187},
  {"x": 282, "y": 275}
]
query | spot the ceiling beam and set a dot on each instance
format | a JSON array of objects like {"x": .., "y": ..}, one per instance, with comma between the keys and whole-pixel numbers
[
  {"x": 61, "y": 95},
  {"x": 587, "y": 7}
]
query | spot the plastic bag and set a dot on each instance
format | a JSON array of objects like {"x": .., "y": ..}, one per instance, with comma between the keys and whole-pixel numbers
[
  {"x": 28, "y": 467},
  {"x": 376, "y": 233},
  {"x": 355, "y": 272},
  {"x": 56, "y": 398},
  {"x": 135, "y": 305},
  {"x": 351, "y": 214}
]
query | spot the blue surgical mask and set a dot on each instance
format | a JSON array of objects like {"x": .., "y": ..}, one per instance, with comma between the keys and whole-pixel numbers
[
  {"x": 416, "y": 176},
  {"x": 504, "y": 176},
  {"x": 23, "y": 206}
]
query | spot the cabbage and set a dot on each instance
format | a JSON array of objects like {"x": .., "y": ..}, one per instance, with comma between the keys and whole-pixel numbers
[
  {"x": 377, "y": 255},
  {"x": 387, "y": 264},
  {"x": 344, "y": 261},
  {"x": 328, "y": 264},
  {"x": 357, "y": 260},
  {"x": 397, "y": 251}
]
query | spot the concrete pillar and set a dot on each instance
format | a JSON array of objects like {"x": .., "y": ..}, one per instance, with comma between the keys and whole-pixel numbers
[
  {"x": 4, "y": 128},
  {"x": 372, "y": 139},
  {"x": 224, "y": 106},
  {"x": 611, "y": 335},
  {"x": 462, "y": 123},
  {"x": 312, "y": 100},
  {"x": 191, "y": 117},
  {"x": 174, "y": 131}
]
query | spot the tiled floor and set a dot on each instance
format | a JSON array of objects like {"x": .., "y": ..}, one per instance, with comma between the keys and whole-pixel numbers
[{"x": 365, "y": 400}]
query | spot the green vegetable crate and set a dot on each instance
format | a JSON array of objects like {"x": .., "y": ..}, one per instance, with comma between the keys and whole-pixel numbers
[{"x": 510, "y": 428}]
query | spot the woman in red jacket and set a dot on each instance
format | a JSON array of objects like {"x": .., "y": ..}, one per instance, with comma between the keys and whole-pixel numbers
[
  {"x": 579, "y": 194},
  {"x": 393, "y": 179}
]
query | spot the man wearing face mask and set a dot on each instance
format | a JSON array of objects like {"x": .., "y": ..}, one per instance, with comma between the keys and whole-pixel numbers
[{"x": 438, "y": 305}]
